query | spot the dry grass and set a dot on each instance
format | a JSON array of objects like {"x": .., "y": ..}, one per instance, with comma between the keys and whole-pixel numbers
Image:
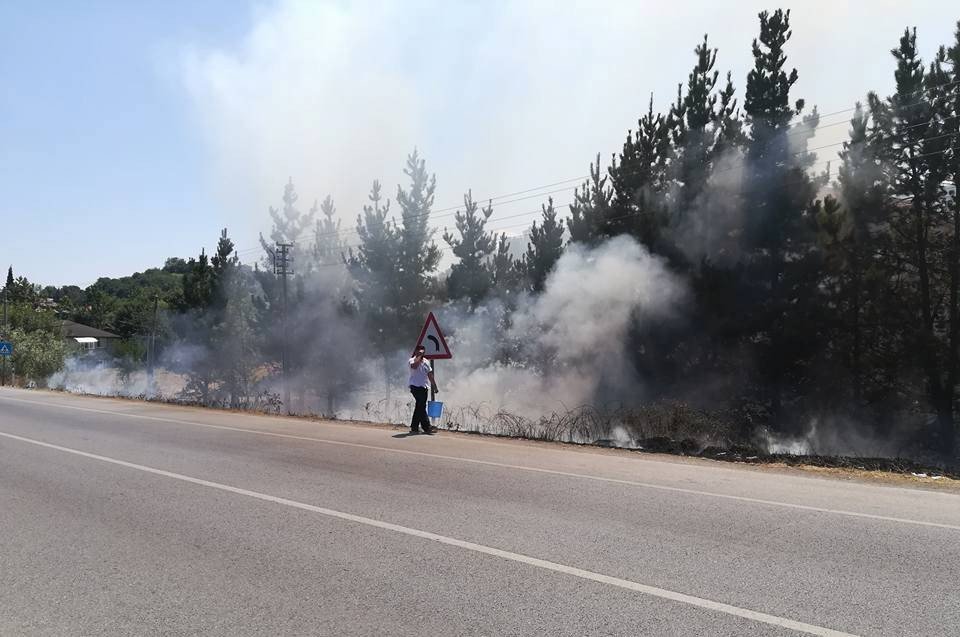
[{"x": 664, "y": 427}]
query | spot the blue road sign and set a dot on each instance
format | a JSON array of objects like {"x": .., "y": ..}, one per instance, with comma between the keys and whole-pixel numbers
[{"x": 6, "y": 349}]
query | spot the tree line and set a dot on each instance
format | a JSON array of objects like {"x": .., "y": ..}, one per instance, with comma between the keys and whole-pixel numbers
[{"x": 816, "y": 289}]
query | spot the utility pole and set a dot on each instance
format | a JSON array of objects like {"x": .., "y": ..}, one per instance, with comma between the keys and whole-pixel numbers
[
  {"x": 152, "y": 347},
  {"x": 281, "y": 267},
  {"x": 6, "y": 333}
]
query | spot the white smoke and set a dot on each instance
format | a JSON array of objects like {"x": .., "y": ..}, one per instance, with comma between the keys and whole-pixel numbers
[
  {"x": 708, "y": 228},
  {"x": 568, "y": 341},
  {"x": 103, "y": 376}
]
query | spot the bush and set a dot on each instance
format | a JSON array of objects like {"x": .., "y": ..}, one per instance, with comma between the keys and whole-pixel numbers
[{"x": 37, "y": 354}]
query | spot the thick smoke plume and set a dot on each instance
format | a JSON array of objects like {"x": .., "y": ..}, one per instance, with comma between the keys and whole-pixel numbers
[
  {"x": 559, "y": 350},
  {"x": 566, "y": 345}
]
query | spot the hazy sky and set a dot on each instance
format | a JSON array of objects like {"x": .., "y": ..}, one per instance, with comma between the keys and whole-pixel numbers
[{"x": 134, "y": 131}]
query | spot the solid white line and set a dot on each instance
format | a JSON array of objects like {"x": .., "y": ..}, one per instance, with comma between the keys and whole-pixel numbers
[
  {"x": 503, "y": 465},
  {"x": 646, "y": 589}
]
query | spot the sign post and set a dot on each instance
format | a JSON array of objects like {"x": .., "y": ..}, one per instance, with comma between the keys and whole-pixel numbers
[
  {"x": 434, "y": 345},
  {"x": 6, "y": 351}
]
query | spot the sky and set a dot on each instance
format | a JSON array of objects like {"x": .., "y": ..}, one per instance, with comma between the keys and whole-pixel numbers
[{"x": 134, "y": 131}]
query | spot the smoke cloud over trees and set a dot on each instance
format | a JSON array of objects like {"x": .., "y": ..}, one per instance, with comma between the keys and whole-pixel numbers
[{"x": 717, "y": 279}]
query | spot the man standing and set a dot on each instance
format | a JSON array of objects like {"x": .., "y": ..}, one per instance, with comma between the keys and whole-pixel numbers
[{"x": 420, "y": 375}]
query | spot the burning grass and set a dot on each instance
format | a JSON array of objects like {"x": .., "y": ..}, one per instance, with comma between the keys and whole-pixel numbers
[{"x": 670, "y": 427}]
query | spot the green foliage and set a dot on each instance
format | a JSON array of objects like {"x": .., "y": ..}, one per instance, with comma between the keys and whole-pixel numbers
[
  {"x": 778, "y": 242},
  {"x": 805, "y": 297},
  {"x": 37, "y": 354},
  {"x": 328, "y": 247},
  {"x": 508, "y": 276},
  {"x": 176, "y": 265},
  {"x": 27, "y": 318},
  {"x": 375, "y": 270},
  {"x": 544, "y": 248},
  {"x": 591, "y": 209},
  {"x": 470, "y": 277},
  {"x": 418, "y": 255},
  {"x": 640, "y": 178},
  {"x": 155, "y": 281},
  {"x": 290, "y": 225},
  {"x": 20, "y": 290}
]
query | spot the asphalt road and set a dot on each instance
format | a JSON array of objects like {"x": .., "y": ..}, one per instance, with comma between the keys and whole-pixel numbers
[{"x": 124, "y": 518}]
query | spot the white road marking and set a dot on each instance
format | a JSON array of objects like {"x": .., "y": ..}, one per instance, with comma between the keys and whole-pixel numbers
[
  {"x": 504, "y": 465},
  {"x": 646, "y": 589}
]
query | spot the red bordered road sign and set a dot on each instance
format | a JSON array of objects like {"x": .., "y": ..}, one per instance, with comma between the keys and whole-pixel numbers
[{"x": 432, "y": 340}]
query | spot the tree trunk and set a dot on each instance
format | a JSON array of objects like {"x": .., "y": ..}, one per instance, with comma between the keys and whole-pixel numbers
[
  {"x": 857, "y": 336},
  {"x": 948, "y": 430},
  {"x": 941, "y": 398}
]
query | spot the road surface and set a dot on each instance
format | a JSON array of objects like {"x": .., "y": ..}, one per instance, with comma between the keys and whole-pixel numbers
[{"x": 127, "y": 518}]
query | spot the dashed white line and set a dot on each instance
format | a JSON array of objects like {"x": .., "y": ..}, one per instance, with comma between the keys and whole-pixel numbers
[
  {"x": 504, "y": 465},
  {"x": 646, "y": 589}
]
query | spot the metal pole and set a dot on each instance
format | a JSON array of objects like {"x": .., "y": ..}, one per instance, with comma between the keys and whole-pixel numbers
[
  {"x": 283, "y": 355},
  {"x": 152, "y": 351},
  {"x": 6, "y": 332},
  {"x": 281, "y": 262}
]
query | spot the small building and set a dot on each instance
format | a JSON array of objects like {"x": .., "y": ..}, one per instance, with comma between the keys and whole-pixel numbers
[{"x": 88, "y": 338}]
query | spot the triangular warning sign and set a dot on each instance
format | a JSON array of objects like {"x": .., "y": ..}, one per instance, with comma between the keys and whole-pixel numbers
[
  {"x": 5, "y": 349},
  {"x": 432, "y": 340}
]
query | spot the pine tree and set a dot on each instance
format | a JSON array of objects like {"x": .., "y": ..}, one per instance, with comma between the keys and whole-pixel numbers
[
  {"x": 507, "y": 274},
  {"x": 778, "y": 236},
  {"x": 591, "y": 208},
  {"x": 640, "y": 179},
  {"x": 327, "y": 245},
  {"x": 854, "y": 282},
  {"x": 948, "y": 92},
  {"x": 916, "y": 149},
  {"x": 219, "y": 294},
  {"x": 10, "y": 281},
  {"x": 470, "y": 278},
  {"x": 711, "y": 126},
  {"x": 418, "y": 255},
  {"x": 695, "y": 138},
  {"x": 544, "y": 247},
  {"x": 374, "y": 267},
  {"x": 730, "y": 133},
  {"x": 705, "y": 198},
  {"x": 290, "y": 225},
  {"x": 234, "y": 338},
  {"x": 198, "y": 283},
  {"x": 223, "y": 262}
]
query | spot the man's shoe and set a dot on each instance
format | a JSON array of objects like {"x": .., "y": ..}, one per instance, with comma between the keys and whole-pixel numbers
[
  {"x": 414, "y": 431},
  {"x": 429, "y": 430}
]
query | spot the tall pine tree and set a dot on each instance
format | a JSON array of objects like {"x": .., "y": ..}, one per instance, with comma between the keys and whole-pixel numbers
[
  {"x": 778, "y": 235},
  {"x": 916, "y": 150},
  {"x": 418, "y": 254},
  {"x": 640, "y": 180},
  {"x": 472, "y": 246},
  {"x": 290, "y": 225},
  {"x": 544, "y": 247},
  {"x": 591, "y": 208}
]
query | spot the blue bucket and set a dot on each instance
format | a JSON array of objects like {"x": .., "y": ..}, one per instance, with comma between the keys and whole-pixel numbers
[{"x": 434, "y": 408}]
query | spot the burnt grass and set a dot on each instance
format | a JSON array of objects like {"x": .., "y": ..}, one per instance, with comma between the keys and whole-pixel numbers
[
  {"x": 753, "y": 455},
  {"x": 675, "y": 428},
  {"x": 671, "y": 428}
]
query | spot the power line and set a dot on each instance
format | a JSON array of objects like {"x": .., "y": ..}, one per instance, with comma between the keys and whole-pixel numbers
[
  {"x": 433, "y": 216},
  {"x": 797, "y": 129},
  {"x": 557, "y": 207},
  {"x": 726, "y": 168}
]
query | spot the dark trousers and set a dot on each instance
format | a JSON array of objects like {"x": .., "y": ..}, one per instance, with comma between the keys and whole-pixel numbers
[{"x": 420, "y": 418}]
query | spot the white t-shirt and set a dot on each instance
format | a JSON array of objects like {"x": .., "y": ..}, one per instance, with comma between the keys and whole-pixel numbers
[{"x": 418, "y": 375}]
